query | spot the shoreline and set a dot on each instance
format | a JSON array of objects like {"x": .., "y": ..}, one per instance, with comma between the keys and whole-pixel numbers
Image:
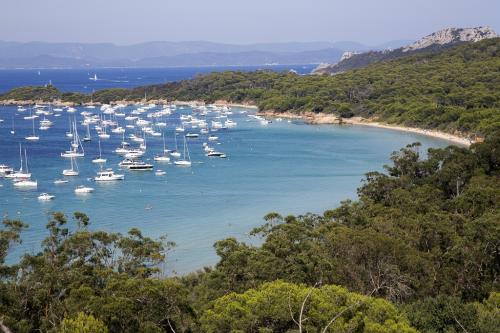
[
  {"x": 322, "y": 119},
  {"x": 308, "y": 117},
  {"x": 128, "y": 103}
]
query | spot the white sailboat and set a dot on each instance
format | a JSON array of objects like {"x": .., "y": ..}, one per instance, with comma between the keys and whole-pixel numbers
[
  {"x": 163, "y": 157},
  {"x": 175, "y": 153},
  {"x": 26, "y": 182},
  {"x": 74, "y": 169},
  {"x": 13, "y": 131},
  {"x": 87, "y": 137},
  {"x": 186, "y": 159},
  {"x": 99, "y": 159},
  {"x": 33, "y": 137},
  {"x": 76, "y": 149},
  {"x": 21, "y": 173}
]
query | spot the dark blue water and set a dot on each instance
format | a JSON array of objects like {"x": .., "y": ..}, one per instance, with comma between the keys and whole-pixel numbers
[
  {"x": 78, "y": 79},
  {"x": 291, "y": 168}
]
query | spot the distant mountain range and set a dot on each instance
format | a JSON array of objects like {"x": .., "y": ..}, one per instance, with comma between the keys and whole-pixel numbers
[
  {"x": 172, "y": 54},
  {"x": 436, "y": 41}
]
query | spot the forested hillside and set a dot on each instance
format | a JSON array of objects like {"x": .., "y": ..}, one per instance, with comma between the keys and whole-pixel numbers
[
  {"x": 419, "y": 251},
  {"x": 455, "y": 90}
]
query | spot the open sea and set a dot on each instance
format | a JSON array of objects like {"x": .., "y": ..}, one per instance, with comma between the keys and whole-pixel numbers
[
  {"x": 287, "y": 167},
  {"x": 78, "y": 80}
]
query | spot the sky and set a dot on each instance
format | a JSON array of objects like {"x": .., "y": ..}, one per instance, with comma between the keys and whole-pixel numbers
[{"x": 238, "y": 21}]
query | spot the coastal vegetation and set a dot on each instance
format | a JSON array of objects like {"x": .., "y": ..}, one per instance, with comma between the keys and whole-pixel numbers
[
  {"x": 454, "y": 90},
  {"x": 418, "y": 251}
]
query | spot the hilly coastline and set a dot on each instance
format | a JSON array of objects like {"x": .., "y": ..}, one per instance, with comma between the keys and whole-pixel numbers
[{"x": 431, "y": 43}]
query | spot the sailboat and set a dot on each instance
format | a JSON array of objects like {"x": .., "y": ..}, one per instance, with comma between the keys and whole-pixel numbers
[
  {"x": 69, "y": 134},
  {"x": 184, "y": 162},
  {"x": 175, "y": 153},
  {"x": 33, "y": 137},
  {"x": 26, "y": 182},
  {"x": 20, "y": 174},
  {"x": 73, "y": 171},
  {"x": 93, "y": 78},
  {"x": 13, "y": 131},
  {"x": 76, "y": 145},
  {"x": 99, "y": 159},
  {"x": 163, "y": 157},
  {"x": 87, "y": 137}
]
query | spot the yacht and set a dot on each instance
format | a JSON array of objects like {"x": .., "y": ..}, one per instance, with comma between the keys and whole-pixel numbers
[
  {"x": 26, "y": 183},
  {"x": 83, "y": 189},
  {"x": 5, "y": 170},
  {"x": 134, "y": 153},
  {"x": 162, "y": 158},
  {"x": 175, "y": 153},
  {"x": 108, "y": 175},
  {"x": 213, "y": 138},
  {"x": 216, "y": 154},
  {"x": 46, "y": 197},
  {"x": 126, "y": 163},
  {"x": 140, "y": 166},
  {"x": 192, "y": 135}
]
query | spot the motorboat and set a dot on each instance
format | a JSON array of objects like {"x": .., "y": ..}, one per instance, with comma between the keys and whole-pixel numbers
[
  {"x": 162, "y": 158},
  {"x": 160, "y": 173},
  {"x": 5, "y": 170},
  {"x": 175, "y": 154},
  {"x": 26, "y": 183},
  {"x": 60, "y": 181},
  {"x": 183, "y": 163},
  {"x": 140, "y": 166},
  {"x": 108, "y": 175},
  {"x": 126, "y": 163},
  {"x": 216, "y": 154},
  {"x": 46, "y": 197},
  {"x": 83, "y": 189}
]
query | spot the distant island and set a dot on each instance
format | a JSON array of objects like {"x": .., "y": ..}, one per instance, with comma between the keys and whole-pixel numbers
[{"x": 173, "y": 54}]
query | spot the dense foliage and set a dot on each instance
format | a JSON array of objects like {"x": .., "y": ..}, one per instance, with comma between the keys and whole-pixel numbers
[{"x": 419, "y": 251}]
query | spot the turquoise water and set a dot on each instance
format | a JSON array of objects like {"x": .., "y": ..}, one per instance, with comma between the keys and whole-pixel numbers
[{"x": 288, "y": 167}]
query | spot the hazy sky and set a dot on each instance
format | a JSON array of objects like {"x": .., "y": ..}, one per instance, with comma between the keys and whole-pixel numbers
[{"x": 238, "y": 21}]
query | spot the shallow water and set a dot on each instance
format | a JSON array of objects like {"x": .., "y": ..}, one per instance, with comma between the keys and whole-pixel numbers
[{"x": 291, "y": 168}]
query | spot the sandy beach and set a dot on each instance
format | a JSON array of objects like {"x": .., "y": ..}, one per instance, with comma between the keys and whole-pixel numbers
[{"x": 315, "y": 118}]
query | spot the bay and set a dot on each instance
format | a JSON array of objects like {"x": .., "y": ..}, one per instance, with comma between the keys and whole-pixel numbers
[{"x": 287, "y": 167}]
